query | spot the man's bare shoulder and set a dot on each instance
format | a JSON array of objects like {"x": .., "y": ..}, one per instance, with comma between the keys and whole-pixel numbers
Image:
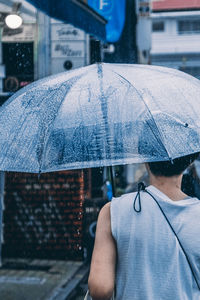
[
  {"x": 105, "y": 209},
  {"x": 102, "y": 270},
  {"x": 104, "y": 217}
]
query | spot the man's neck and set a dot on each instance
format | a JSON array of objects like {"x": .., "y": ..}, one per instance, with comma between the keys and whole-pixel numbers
[{"x": 170, "y": 186}]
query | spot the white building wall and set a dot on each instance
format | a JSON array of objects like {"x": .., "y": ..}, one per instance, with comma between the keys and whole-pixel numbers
[
  {"x": 169, "y": 48},
  {"x": 170, "y": 41}
]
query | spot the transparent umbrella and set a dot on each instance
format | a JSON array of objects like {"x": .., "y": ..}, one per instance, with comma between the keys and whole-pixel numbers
[{"x": 100, "y": 115}]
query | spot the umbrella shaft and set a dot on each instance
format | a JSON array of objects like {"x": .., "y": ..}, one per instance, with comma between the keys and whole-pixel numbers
[{"x": 112, "y": 180}]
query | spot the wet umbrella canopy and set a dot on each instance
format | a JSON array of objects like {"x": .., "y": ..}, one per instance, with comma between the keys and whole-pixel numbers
[{"x": 100, "y": 115}]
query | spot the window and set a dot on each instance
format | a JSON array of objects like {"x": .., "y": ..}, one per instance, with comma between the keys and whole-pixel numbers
[
  {"x": 18, "y": 60},
  {"x": 158, "y": 26},
  {"x": 189, "y": 26}
]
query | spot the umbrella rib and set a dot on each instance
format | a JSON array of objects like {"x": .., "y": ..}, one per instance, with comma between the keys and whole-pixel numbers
[
  {"x": 161, "y": 138},
  {"x": 104, "y": 109},
  {"x": 47, "y": 135}
]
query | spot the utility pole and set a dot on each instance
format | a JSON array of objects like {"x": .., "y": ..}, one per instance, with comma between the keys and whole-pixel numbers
[
  {"x": 43, "y": 49},
  {"x": 143, "y": 10}
]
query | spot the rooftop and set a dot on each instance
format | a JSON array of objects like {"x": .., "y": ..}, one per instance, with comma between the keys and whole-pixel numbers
[{"x": 174, "y": 5}]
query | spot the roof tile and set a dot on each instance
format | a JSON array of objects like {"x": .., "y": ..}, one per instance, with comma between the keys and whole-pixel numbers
[{"x": 175, "y": 4}]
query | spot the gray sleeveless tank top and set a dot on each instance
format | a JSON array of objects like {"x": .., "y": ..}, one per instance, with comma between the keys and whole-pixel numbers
[{"x": 151, "y": 264}]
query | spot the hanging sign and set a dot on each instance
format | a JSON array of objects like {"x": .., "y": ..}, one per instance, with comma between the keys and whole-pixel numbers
[
  {"x": 25, "y": 33},
  {"x": 144, "y": 8},
  {"x": 114, "y": 12}
]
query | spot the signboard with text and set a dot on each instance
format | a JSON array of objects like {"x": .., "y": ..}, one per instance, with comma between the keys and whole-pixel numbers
[
  {"x": 66, "y": 32},
  {"x": 25, "y": 33},
  {"x": 144, "y": 8},
  {"x": 114, "y": 12},
  {"x": 67, "y": 49},
  {"x": 144, "y": 31}
]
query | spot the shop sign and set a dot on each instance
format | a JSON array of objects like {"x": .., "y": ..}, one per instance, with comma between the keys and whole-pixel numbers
[
  {"x": 61, "y": 49},
  {"x": 114, "y": 12},
  {"x": 24, "y": 33},
  {"x": 66, "y": 32},
  {"x": 144, "y": 8}
]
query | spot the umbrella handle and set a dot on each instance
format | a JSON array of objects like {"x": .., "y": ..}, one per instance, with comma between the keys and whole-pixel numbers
[{"x": 112, "y": 181}]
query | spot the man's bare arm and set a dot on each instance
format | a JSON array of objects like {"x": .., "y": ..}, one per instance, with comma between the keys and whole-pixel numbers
[{"x": 102, "y": 272}]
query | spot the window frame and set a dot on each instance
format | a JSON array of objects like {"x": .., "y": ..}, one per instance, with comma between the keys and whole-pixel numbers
[
  {"x": 158, "y": 23},
  {"x": 189, "y": 26}
]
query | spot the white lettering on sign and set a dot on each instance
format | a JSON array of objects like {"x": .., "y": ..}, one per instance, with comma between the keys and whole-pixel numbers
[{"x": 103, "y": 3}]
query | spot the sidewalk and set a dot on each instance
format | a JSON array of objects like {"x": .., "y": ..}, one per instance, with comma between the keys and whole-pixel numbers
[{"x": 27, "y": 279}]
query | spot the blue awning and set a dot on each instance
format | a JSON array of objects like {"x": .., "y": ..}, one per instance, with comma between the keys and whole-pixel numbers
[{"x": 75, "y": 12}]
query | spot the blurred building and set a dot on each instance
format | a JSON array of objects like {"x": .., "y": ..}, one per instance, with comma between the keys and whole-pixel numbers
[
  {"x": 39, "y": 47},
  {"x": 17, "y": 49},
  {"x": 176, "y": 35}
]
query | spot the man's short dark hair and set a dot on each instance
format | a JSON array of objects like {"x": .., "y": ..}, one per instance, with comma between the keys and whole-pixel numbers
[{"x": 172, "y": 168}]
